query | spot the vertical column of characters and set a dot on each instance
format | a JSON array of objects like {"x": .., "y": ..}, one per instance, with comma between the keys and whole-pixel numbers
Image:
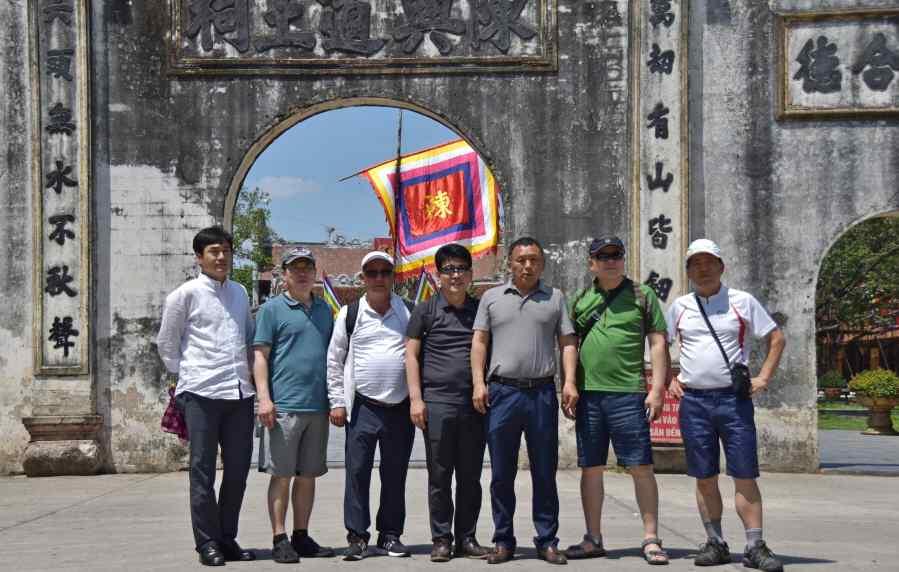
[
  {"x": 61, "y": 142},
  {"x": 660, "y": 163},
  {"x": 660, "y": 176}
]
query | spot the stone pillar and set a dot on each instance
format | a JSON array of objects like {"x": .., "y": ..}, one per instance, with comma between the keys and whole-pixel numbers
[{"x": 64, "y": 424}]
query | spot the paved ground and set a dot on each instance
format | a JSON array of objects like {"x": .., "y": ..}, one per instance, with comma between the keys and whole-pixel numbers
[
  {"x": 140, "y": 522},
  {"x": 850, "y": 452}
]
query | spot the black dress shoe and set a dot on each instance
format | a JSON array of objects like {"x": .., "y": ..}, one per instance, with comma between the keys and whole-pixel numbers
[
  {"x": 500, "y": 554},
  {"x": 211, "y": 555},
  {"x": 469, "y": 548},
  {"x": 552, "y": 555},
  {"x": 234, "y": 553}
]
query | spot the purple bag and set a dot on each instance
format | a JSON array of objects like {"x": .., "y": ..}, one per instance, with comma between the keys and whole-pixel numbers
[{"x": 173, "y": 418}]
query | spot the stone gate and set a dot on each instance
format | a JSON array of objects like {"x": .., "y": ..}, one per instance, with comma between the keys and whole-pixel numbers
[{"x": 768, "y": 126}]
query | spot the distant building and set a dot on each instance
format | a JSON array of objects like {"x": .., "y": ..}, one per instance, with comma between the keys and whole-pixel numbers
[{"x": 341, "y": 262}]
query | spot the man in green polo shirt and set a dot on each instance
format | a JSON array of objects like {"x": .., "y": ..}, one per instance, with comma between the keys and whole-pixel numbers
[
  {"x": 612, "y": 318},
  {"x": 291, "y": 344}
]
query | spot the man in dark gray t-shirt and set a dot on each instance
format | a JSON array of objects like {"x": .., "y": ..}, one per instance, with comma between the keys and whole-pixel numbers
[{"x": 438, "y": 373}]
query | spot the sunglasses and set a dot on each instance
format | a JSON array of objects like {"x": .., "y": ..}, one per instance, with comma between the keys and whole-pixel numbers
[
  {"x": 377, "y": 273},
  {"x": 608, "y": 256},
  {"x": 451, "y": 270}
]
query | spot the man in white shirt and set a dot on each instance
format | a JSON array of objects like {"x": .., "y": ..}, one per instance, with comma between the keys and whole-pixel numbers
[
  {"x": 368, "y": 394},
  {"x": 712, "y": 409},
  {"x": 205, "y": 339}
]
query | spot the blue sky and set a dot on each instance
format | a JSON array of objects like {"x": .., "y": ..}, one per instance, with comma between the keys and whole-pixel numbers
[{"x": 301, "y": 169}]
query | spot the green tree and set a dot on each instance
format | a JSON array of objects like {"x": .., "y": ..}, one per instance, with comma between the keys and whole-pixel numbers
[
  {"x": 858, "y": 286},
  {"x": 253, "y": 235}
]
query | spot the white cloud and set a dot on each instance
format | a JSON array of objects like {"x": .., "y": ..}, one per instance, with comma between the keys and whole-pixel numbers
[{"x": 287, "y": 187}]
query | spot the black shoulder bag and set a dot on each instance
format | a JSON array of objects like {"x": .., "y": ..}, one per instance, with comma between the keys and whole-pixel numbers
[
  {"x": 740, "y": 378},
  {"x": 597, "y": 313}
]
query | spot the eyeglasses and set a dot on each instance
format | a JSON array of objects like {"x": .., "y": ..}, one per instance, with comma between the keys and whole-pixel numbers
[
  {"x": 608, "y": 256},
  {"x": 451, "y": 270},
  {"x": 377, "y": 273}
]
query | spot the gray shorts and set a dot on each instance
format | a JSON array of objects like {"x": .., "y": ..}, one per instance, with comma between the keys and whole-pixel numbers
[{"x": 296, "y": 445}]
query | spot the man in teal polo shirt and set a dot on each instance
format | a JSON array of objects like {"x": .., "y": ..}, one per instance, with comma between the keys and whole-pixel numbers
[
  {"x": 291, "y": 343},
  {"x": 612, "y": 318}
]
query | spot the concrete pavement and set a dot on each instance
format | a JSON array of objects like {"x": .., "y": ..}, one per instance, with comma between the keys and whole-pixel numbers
[
  {"x": 141, "y": 522},
  {"x": 850, "y": 452}
]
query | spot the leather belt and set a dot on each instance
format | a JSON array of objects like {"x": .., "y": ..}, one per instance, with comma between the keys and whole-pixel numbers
[
  {"x": 522, "y": 382},
  {"x": 376, "y": 403}
]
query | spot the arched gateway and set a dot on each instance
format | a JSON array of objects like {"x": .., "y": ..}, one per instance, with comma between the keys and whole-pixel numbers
[{"x": 128, "y": 126}]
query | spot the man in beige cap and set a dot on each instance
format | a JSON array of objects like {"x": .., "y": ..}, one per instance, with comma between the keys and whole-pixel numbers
[
  {"x": 716, "y": 398},
  {"x": 368, "y": 394}
]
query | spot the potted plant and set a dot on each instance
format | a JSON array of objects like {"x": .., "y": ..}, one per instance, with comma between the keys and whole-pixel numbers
[
  {"x": 832, "y": 383},
  {"x": 878, "y": 390}
]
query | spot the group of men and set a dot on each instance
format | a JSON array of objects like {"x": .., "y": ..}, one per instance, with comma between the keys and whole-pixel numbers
[{"x": 470, "y": 374}]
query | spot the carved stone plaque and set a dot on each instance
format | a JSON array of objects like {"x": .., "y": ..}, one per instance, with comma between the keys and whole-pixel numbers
[
  {"x": 839, "y": 63},
  {"x": 282, "y": 37}
]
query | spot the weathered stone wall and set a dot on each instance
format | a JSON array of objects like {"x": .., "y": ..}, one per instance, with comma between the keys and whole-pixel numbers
[
  {"x": 168, "y": 148},
  {"x": 15, "y": 236},
  {"x": 776, "y": 195}
]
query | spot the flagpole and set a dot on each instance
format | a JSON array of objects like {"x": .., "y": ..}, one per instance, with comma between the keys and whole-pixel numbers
[{"x": 398, "y": 189}]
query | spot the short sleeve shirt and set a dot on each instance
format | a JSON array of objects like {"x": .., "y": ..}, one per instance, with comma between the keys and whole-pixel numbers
[
  {"x": 446, "y": 332},
  {"x": 611, "y": 353},
  {"x": 523, "y": 329},
  {"x": 736, "y": 317},
  {"x": 298, "y": 337}
]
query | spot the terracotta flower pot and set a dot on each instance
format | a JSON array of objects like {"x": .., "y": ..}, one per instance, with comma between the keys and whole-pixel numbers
[
  {"x": 879, "y": 421},
  {"x": 832, "y": 393}
]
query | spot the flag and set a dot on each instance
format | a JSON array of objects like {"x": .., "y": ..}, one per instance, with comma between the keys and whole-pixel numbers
[
  {"x": 426, "y": 287},
  {"x": 444, "y": 194},
  {"x": 329, "y": 295}
]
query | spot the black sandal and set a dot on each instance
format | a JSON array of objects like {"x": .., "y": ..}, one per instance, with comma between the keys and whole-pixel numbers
[
  {"x": 654, "y": 557},
  {"x": 581, "y": 551}
]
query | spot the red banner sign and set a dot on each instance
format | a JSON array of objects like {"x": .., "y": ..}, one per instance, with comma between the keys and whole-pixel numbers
[{"x": 666, "y": 429}]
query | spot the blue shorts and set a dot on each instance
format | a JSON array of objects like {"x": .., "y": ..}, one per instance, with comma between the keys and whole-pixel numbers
[
  {"x": 712, "y": 414},
  {"x": 619, "y": 417}
]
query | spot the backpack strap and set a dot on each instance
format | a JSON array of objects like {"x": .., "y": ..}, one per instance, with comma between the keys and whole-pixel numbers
[
  {"x": 577, "y": 299},
  {"x": 352, "y": 313},
  {"x": 642, "y": 303}
]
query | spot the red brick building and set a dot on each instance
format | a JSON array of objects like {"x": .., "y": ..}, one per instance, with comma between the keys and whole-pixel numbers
[{"x": 342, "y": 264}]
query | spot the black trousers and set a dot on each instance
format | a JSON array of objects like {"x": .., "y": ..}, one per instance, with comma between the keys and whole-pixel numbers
[
  {"x": 210, "y": 423},
  {"x": 391, "y": 430},
  {"x": 454, "y": 443}
]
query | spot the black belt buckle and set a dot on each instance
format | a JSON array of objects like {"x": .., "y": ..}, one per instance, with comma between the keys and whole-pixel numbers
[{"x": 523, "y": 382}]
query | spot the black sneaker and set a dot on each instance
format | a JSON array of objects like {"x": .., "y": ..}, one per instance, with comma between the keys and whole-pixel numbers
[
  {"x": 761, "y": 557},
  {"x": 357, "y": 549},
  {"x": 308, "y": 548},
  {"x": 392, "y": 545},
  {"x": 284, "y": 553},
  {"x": 712, "y": 553}
]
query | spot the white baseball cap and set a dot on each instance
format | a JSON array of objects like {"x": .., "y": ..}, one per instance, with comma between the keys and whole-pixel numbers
[
  {"x": 703, "y": 245},
  {"x": 377, "y": 255}
]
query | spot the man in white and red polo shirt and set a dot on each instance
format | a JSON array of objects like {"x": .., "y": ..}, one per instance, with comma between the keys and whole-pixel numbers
[{"x": 712, "y": 409}]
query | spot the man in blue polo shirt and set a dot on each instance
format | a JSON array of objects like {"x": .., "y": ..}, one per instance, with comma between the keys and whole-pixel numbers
[{"x": 291, "y": 343}]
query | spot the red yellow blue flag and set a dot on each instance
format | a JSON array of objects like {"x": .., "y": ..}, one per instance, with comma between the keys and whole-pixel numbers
[
  {"x": 426, "y": 287},
  {"x": 440, "y": 195},
  {"x": 329, "y": 295}
]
